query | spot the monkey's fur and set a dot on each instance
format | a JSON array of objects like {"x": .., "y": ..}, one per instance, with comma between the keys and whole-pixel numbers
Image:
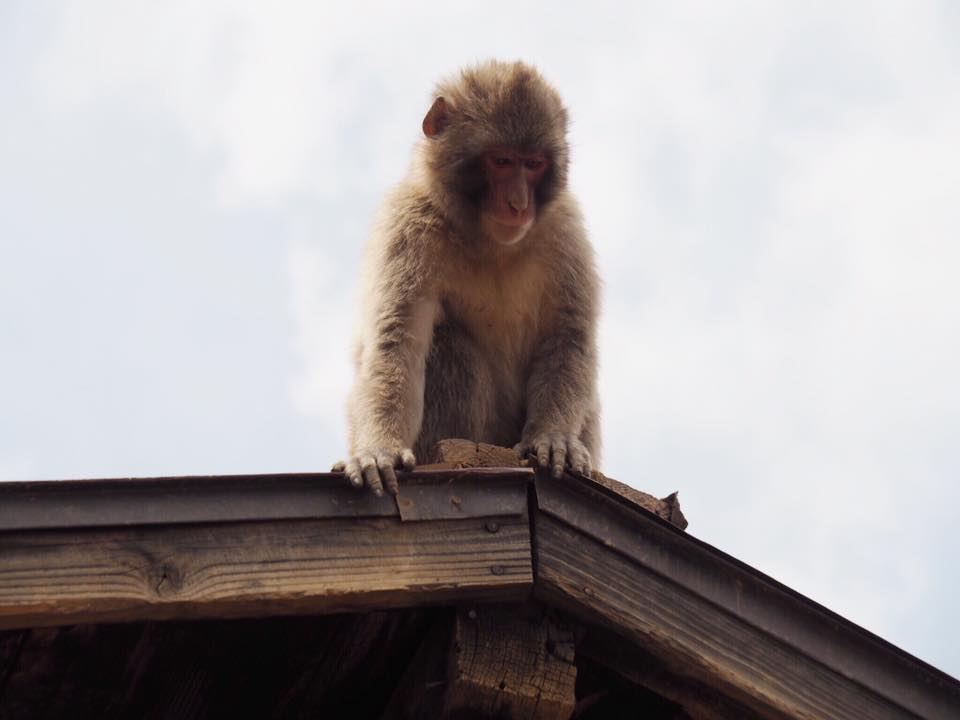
[{"x": 467, "y": 335}]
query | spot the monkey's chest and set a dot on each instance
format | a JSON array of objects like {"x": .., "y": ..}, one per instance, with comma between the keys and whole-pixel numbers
[
  {"x": 505, "y": 329},
  {"x": 483, "y": 347}
]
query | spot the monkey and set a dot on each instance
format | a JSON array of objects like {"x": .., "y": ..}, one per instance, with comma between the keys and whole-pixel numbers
[{"x": 479, "y": 290}]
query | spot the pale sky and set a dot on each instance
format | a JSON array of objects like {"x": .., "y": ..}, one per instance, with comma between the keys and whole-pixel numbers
[{"x": 772, "y": 189}]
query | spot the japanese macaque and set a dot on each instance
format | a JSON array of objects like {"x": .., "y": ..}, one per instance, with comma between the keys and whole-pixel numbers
[{"x": 480, "y": 294}]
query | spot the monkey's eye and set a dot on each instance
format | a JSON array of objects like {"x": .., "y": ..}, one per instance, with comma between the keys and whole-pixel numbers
[
  {"x": 501, "y": 161},
  {"x": 533, "y": 164}
]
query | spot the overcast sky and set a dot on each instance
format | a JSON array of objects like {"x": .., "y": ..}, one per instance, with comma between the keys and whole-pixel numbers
[{"x": 773, "y": 189}]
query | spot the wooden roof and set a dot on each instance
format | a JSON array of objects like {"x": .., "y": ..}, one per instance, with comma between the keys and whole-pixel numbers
[{"x": 665, "y": 613}]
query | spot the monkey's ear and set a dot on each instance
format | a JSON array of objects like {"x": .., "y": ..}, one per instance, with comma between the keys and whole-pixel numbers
[{"x": 436, "y": 118}]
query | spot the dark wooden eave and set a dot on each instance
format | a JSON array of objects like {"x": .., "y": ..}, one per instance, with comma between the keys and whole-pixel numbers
[{"x": 690, "y": 620}]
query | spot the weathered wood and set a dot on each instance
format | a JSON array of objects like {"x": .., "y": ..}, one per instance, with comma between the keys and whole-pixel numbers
[
  {"x": 605, "y": 693},
  {"x": 806, "y": 643},
  {"x": 457, "y": 453},
  {"x": 510, "y": 662},
  {"x": 57, "y": 577},
  {"x": 721, "y": 638},
  {"x": 691, "y": 637},
  {"x": 631, "y": 663},
  {"x": 667, "y": 508},
  {"x": 490, "y": 661},
  {"x": 117, "y": 502},
  {"x": 475, "y": 492}
]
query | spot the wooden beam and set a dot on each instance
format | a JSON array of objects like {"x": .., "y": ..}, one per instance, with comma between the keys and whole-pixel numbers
[
  {"x": 711, "y": 619},
  {"x": 257, "y": 569},
  {"x": 110, "y": 570},
  {"x": 510, "y": 662},
  {"x": 491, "y": 661},
  {"x": 690, "y": 638},
  {"x": 113, "y": 502},
  {"x": 631, "y": 662}
]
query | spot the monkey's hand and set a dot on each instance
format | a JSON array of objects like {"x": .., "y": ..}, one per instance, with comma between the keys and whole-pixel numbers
[
  {"x": 376, "y": 468},
  {"x": 557, "y": 451}
]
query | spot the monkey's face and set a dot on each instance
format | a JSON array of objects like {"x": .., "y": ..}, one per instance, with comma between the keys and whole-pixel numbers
[
  {"x": 496, "y": 151},
  {"x": 508, "y": 208}
]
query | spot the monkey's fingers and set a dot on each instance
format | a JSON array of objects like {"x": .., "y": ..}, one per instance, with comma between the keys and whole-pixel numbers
[
  {"x": 407, "y": 460},
  {"x": 559, "y": 459},
  {"x": 385, "y": 463},
  {"x": 354, "y": 472},
  {"x": 542, "y": 450},
  {"x": 339, "y": 466},
  {"x": 579, "y": 458},
  {"x": 371, "y": 474}
]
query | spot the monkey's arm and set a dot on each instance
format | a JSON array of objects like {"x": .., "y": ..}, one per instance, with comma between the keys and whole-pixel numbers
[
  {"x": 385, "y": 408},
  {"x": 561, "y": 390}
]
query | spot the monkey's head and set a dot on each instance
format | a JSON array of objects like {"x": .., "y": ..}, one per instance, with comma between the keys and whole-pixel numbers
[{"x": 496, "y": 149}]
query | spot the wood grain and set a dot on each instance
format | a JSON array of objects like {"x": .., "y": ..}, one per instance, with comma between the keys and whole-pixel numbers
[
  {"x": 60, "y": 577},
  {"x": 510, "y": 662},
  {"x": 459, "y": 453},
  {"x": 690, "y": 635},
  {"x": 490, "y": 661},
  {"x": 632, "y": 663},
  {"x": 782, "y": 615}
]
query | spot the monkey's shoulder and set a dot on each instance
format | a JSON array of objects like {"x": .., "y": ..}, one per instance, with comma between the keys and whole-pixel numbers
[
  {"x": 405, "y": 240},
  {"x": 406, "y": 213}
]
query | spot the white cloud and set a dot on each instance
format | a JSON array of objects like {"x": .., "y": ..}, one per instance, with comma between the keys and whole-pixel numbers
[
  {"x": 771, "y": 188},
  {"x": 17, "y": 467},
  {"x": 322, "y": 304}
]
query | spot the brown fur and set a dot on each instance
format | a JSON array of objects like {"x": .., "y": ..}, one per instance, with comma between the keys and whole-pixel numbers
[{"x": 464, "y": 336}]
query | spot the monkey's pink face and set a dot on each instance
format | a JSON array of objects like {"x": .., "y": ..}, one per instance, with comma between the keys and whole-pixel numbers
[{"x": 510, "y": 206}]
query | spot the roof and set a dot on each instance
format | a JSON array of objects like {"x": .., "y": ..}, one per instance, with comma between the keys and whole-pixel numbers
[{"x": 657, "y": 606}]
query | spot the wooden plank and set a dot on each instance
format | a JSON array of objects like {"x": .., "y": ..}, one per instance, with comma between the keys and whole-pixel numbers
[
  {"x": 691, "y": 636},
  {"x": 113, "y": 502},
  {"x": 458, "y": 453},
  {"x": 630, "y": 662},
  {"x": 479, "y": 492},
  {"x": 782, "y": 615},
  {"x": 56, "y": 577}
]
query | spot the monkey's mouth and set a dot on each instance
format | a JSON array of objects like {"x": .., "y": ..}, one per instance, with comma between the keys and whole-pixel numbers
[
  {"x": 511, "y": 220},
  {"x": 509, "y": 231}
]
